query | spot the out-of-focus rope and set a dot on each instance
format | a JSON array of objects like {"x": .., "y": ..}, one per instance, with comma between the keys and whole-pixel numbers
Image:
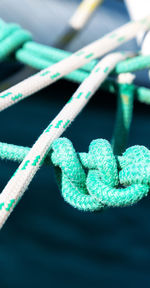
[
  {"x": 138, "y": 10},
  {"x": 125, "y": 97},
  {"x": 12, "y": 37},
  {"x": 76, "y": 60},
  {"x": 78, "y": 21},
  {"x": 83, "y": 13},
  {"x": 40, "y": 57}
]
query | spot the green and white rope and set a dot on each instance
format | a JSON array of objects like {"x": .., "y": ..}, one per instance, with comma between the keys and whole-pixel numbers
[
  {"x": 27, "y": 169},
  {"x": 40, "y": 57},
  {"x": 99, "y": 189},
  {"x": 76, "y": 60}
]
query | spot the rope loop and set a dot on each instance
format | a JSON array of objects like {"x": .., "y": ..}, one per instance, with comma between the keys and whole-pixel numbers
[
  {"x": 97, "y": 179},
  {"x": 12, "y": 37},
  {"x": 72, "y": 178}
]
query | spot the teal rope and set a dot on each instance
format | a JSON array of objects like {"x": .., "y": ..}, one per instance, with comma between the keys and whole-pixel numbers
[
  {"x": 42, "y": 63},
  {"x": 90, "y": 181},
  {"x": 8, "y": 30},
  {"x": 13, "y": 42},
  {"x": 143, "y": 95},
  {"x": 133, "y": 64},
  {"x": 12, "y": 37},
  {"x": 40, "y": 56},
  {"x": 123, "y": 118},
  {"x": 52, "y": 54}
]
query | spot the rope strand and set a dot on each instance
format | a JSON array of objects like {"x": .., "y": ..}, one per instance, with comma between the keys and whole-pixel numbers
[
  {"x": 48, "y": 76},
  {"x": 27, "y": 169}
]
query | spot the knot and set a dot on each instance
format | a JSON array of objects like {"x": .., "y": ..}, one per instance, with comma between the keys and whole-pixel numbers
[
  {"x": 71, "y": 176},
  {"x": 97, "y": 179},
  {"x": 12, "y": 37}
]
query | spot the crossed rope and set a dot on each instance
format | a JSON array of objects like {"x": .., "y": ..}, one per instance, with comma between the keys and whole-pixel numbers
[
  {"x": 88, "y": 181},
  {"x": 91, "y": 181},
  {"x": 94, "y": 180}
]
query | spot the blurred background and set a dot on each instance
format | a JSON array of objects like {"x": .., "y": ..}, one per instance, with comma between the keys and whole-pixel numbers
[{"x": 46, "y": 242}]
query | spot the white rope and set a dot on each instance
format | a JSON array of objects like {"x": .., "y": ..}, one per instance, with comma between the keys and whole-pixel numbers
[
  {"x": 75, "y": 61},
  {"x": 145, "y": 49},
  {"x": 137, "y": 10},
  {"x": 125, "y": 78},
  {"x": 27, "y": 169},
  {"x": 83, "y": 13}
]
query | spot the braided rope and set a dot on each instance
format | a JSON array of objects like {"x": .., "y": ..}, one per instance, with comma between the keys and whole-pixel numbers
[
  {"x": 40, "y": 57},
  {"x": 76, "y": 60},
  {"x": 90, "y": 181},
  {"x": 27, "y": 169},
  {"x": 12, "y": 37},
  {"x": 102, "y": 179},
  {"x": 100, "y": 187}
]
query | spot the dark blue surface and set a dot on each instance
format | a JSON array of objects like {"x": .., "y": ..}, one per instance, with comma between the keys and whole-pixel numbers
[{"x": 47, "y": 243}]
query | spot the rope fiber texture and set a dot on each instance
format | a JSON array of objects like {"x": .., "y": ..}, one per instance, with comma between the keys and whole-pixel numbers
[
  {"x": 17, "y": 185},
  {"x": 100, "y": 187},
  {"x": 51, "y": 74},
  {"x": 90, "y": 181},
  {"x": 40, "y": 57}
]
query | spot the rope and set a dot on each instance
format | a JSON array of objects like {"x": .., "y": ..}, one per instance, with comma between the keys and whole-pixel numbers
[
  {"x": 124, "y": 113},
  {"x": 98, "y": 187},
  {"x": 83, "y": 13},
  {"x": 12, "y": 37},
  {"x": 40, "y": 57},
  {"x": 27, "y": 169},
  {"x": 76, "y": 60},
  {"x": 78, "y": 21},
  {"x": 49, "y": 54}
]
